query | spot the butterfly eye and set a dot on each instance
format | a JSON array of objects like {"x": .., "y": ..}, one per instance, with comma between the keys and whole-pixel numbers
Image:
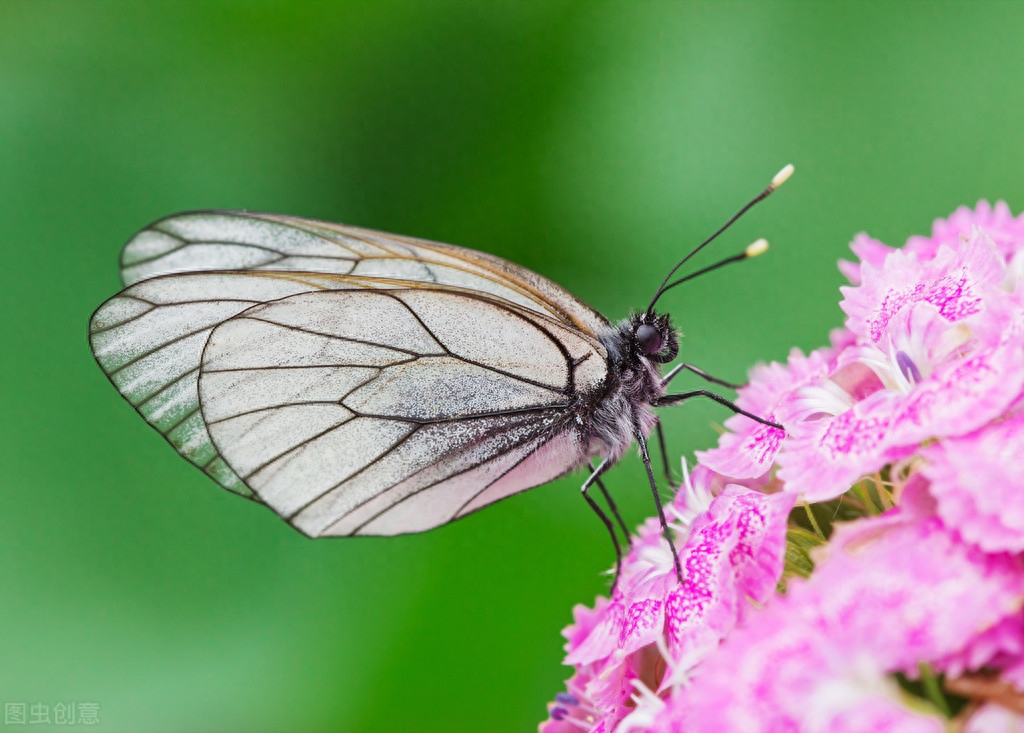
[{"x": 649, "y": 339}]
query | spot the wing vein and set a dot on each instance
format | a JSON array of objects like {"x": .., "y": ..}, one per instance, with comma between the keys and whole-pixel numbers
[
  {"x": 295, "y": 447},
  {"x": 511, "y": 468},
  {"x": 363, "y": 384},
  {"x": 473, "y": 467},
  {"x": 307, "y": 366},
  {"x": 219, "y": 242},
  {"x": 319, "y": 496},
  {"x": 336, "y": 337},
  {"x": 517, "y": 377},
  {"x": 179, "y": 422},
  {"x": 163, "y": 389},
  {"x": 457, "y": 418},
  {"x": 422, "y": 324},
  {"x": 293, "y": 403},
  {"x": 157, "y": 348}
]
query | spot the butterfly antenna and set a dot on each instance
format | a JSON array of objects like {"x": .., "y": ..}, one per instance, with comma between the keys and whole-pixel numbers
[
  {"x": 751, "y": 250},
  {"x": 777, "y": 181}
]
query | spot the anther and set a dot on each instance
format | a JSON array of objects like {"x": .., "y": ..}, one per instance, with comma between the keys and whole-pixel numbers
[{"x": 907, "y": 367}]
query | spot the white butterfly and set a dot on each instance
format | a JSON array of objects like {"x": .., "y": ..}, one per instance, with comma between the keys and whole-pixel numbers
[{"x": 362, "y": 383}]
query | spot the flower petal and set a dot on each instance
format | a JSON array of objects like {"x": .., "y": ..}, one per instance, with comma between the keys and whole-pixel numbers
[{"x": 825, "y": 457}]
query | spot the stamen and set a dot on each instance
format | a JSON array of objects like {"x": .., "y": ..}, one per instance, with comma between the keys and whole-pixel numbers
[
  {"x": 564, "y": 717},
  {"x": 678, "y": 671},
  {"x": 561, "y": 711},
  {"x": 694, "y": 504},
  {"x": 907, "y": 367},
  {"x": 644, "y": 694}
]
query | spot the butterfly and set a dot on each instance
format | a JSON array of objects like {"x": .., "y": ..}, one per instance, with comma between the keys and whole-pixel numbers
[{"x": 364, "y": 383}]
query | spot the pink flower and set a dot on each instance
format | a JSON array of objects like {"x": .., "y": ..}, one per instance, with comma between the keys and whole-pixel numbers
[
  {"x": 1006, "y": 231},
  {"x": 956, "y": 282},
  {"x": 748, "y": 449},
  {"x": 734, "y": 552},
  {"x": 731, "y": 551},
  {"x": 992, "y": 718},
  {"x": 999, "y": 647},
  {"x": 889, "y": 593},
  {"x": 869, "y": 251},
  {"x": 978, "y": 483},
  {"x": 998, "y": 222},
  {"x": 936, "y": 594},
  {"x": 573, "y": 710},
  {"x": 961, "y": 395},
  {"x": 781, "y": 674},
  {"x": 941, "y": 341},
  {"x": 923, "y": 388},
  {"x": 825, "y": 456}
]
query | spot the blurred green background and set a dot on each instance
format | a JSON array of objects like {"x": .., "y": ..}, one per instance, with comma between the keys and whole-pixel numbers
[{"x": 593, "y": 142}]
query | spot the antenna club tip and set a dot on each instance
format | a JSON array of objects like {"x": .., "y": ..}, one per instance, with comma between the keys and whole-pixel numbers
[
  {"x": 782, "y": 176},
  {"x": 756, "y": 248}
]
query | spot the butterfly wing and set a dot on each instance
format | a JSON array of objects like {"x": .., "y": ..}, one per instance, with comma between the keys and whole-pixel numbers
[
  {"x": 149, "y": 341},
  {"x": 248, "y": 241},
  {"x": 491, "y": 414},
  {"x": 370, "y": 411}
]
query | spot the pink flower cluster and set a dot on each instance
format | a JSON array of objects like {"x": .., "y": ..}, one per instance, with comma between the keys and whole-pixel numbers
[{"x": 908, "y": 615}]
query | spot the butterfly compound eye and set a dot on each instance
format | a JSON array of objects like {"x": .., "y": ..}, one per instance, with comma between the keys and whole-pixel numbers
[{"x": 649, "y": 339}]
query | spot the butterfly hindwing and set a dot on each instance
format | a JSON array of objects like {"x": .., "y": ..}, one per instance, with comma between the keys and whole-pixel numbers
[
  {"x": 383, "y": 412},
  {"x": 149, "y": 340}
]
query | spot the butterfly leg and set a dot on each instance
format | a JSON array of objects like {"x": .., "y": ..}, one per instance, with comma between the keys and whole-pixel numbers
[
  {"x": 664, "y": 453},
  {"x": 595, "y": 476},
  {"x": 657, "y": 502},
  {"x": 699, "y": 372},
  {"x": 611, "y": 505},
  {"x": 674, "y": 399}
]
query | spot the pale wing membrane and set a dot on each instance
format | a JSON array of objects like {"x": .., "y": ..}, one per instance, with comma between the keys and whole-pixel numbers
[
  {"x": 469, "y": 479},
  {"x": 192, "y": 242},
  {"x": 386, "y": 412},
  {"x": 244, "y": 241},
  {"x": 553, "y": 298},
  {"x": 149, "y": 340}
]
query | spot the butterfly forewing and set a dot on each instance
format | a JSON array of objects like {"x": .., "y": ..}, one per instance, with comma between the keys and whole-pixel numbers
[
  {"x": 357, "y": 382},
  {"x": 244, "y": 241}
]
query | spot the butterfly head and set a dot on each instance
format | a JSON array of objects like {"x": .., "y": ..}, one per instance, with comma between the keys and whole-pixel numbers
[{"x": 654, "y": 337}]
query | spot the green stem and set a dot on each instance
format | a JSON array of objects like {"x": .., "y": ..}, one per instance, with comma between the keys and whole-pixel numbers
[
  {"x": 883, "y": 493},
  {"x": 930, "y": 684},
  {"x": 813, "y": 521},
  {"x": 865, "y": 496}
]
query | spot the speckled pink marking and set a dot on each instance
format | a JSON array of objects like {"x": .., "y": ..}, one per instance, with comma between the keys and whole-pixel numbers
[
  {"x": 951, "y": 294},
  {"x": 640, "y": 618},
  {"x": 751, "y": 524},
  {"x": 689, "y": 603},
  {"x": 849, "y": 435},
  {"x": 763, "y": 443}
]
